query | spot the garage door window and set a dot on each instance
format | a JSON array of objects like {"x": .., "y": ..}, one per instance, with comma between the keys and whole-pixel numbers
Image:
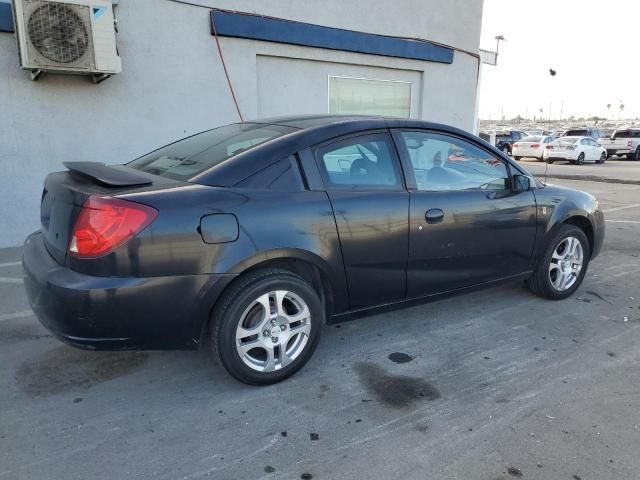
[{"x": 369, "y": 97}]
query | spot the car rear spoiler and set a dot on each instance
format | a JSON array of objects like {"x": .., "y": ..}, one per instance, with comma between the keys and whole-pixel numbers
[{"x": 110, "y": 176}]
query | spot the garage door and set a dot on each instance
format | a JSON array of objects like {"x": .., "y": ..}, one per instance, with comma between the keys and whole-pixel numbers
[{"x": 289, "y": 86}]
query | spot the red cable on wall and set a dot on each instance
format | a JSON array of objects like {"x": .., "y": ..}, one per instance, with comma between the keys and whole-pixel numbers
[{"x": 224, "y": 66}]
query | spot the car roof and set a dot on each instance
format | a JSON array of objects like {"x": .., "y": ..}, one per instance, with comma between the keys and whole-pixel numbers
[
  {"x": 310, "y": 121},
  {"x": 310, "y": 130}
]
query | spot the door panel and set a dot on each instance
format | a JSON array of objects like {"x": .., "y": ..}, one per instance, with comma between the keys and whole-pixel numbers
[
  {"x": 466, "y": 225},
  {"x": 478, "y": 239},
  {"x": 363, "y": 179},
  {"x": 372, "y": 227}
]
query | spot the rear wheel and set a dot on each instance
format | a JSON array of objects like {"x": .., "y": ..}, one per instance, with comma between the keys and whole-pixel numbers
[
  {"x": 636, "y": 154},
  {"x": 580, "y": 159},
  {"x": 563, "y": 266},
  {"x": 517, "y": 158},
  {"x": 266, "y": 327},
  {"x": 550, "y": 160}
]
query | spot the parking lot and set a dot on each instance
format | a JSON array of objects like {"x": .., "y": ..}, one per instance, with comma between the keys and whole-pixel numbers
[{"x": 497, "y": 384}]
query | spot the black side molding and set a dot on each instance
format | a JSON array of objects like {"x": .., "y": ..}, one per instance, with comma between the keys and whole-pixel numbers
[{"x": 110, "y": 176}]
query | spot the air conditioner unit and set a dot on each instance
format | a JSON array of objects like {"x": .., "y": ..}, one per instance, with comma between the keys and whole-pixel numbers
[{"x": 67, "y": 36}]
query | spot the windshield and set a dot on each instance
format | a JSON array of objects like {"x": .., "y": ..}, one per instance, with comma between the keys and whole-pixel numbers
[{"x": 193, "y": 155}]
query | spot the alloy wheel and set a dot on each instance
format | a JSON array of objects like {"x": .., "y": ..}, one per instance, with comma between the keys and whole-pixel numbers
[
  {"x": 566, "y": 263},
  {"x": 273, "y": 331}
]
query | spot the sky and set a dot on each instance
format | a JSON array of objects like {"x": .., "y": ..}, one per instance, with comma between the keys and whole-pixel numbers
[{"x": 593, "y": 45}]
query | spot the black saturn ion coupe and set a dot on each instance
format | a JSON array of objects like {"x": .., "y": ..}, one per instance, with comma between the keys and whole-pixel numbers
[{"x": 246, "y": 239}]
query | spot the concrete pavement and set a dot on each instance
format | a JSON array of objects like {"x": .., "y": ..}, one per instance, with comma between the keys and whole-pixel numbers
[
  {"x": 495, "y": 385},
  {"x": 614, "y": 170}
]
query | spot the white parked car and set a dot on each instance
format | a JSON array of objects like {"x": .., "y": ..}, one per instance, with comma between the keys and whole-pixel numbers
[
  {"x": 575, "y": 150},
  {"x": 533, "y": 147}
]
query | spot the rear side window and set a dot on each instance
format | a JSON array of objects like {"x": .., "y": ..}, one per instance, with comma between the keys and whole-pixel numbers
[
  {"x": 282, "y": 176},
  {"x": 366, "y": 161},
  {"x": 193, "y": 155}
]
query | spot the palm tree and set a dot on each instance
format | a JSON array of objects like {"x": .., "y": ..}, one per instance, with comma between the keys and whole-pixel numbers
[
  {"x": 608, "y": 108},
  {"x": 621, "y": 109}
]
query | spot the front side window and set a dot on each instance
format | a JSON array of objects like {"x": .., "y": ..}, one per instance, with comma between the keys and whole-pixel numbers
[
  {"x": 360, "y": 162},
  {"x": 191, "y": 156},
  {"x": 445, "y": 163}
]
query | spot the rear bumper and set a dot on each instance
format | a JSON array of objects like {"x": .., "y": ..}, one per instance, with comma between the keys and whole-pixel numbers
[
  {"x": 527, "y": 152},
  {"x": 562, "y": 155},
  {"x": 618, "y": 151},
  {"x": 117, "y": 313}
]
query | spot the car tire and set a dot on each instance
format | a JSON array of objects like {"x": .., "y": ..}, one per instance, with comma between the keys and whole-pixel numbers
[
  {"x": 517, "y": 158},
  {"x": 636, "y": 154},
  {"x": 243, "y": 306},
  {"x": 550, "y": 160},
  {"x": 545, "y": 281},
  {"x": 580, "y": 160},
  {"x": 603, "y": 158}
]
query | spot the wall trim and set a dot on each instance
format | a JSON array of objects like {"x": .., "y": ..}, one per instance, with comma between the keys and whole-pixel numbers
[{"x": 256, "y": 27}]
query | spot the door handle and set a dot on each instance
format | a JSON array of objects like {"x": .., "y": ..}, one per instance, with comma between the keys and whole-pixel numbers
[{"x": 434, "y": 215}]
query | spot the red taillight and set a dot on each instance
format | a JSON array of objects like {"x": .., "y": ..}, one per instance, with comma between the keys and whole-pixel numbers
[
  {"x": 549, "y": 147},
  {"x": 535, "y": 145},
  {"x": 105, "y": 223}
]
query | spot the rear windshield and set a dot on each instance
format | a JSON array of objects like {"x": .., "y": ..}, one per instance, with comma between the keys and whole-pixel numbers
[
  {"x": 564, "y": 141},
  {"x": 576, "y": 133},
  {"x": 532, "y": 139},
  {"x": 193, "y": 155},
  {"x": 627, "y": 134}
]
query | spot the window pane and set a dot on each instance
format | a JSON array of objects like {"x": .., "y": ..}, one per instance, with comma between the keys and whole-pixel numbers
[
  {"x": 443, "y": 163},
  {"x": 360, "y": 162},
  {"x": 369, "y": 97}
]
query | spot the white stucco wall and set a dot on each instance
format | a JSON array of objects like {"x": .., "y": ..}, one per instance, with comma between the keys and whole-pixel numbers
[{"x": 173, "y": 84}]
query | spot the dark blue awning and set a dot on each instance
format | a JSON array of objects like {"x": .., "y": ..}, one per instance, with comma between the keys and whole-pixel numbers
[
  {"x": 6, "y": 18},
  {"x": 255, "y": 27}
]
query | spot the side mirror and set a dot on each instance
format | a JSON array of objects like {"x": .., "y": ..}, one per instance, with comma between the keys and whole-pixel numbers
[{"x": 521, "y": 183}]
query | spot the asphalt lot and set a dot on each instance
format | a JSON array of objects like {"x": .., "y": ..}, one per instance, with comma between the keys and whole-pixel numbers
[{"x": 495, "y": 385}]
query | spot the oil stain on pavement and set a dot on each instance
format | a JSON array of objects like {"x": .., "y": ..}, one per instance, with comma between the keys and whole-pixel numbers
[
  {"x": 395, "y": 391},
  {"x": 64, "y": 368},
  {"x": 398, "y": 357}
]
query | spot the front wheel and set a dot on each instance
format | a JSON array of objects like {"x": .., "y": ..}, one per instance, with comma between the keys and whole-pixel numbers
[
  {"x": 636, "y": 155},
  {"x": 550, "y": 160},
  {"x": 563, "y": 266},
  {"x": 603, "y": 158},
  {"x": 517, "y": 158},
  {"x": 266, "y": 327}
]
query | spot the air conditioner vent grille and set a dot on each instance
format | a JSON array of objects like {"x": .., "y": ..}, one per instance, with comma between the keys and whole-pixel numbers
[{"x": 58, "y": 33}]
